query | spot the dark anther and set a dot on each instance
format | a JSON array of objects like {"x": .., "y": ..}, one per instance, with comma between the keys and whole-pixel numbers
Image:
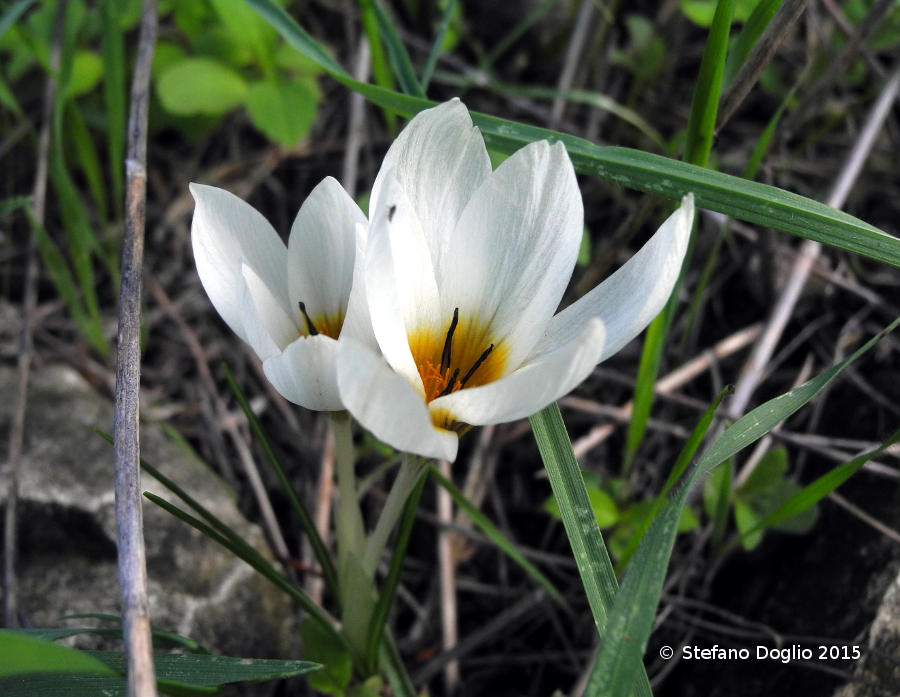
[
  {"x": 481, "y": 359},
  {"x": 450, "y": 384},
  {"x": 309, "y": 323},
  {"x": 448, "y": 342},
  {"x": 391, "y": 211}
]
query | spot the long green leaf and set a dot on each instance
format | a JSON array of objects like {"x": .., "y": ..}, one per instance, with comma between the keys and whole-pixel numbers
[
  {"x": 588, "y": 548},
  {"x": 192, "y": 669},
  {"x": 249, "y": 555},
  {"x": 306, "y": 521},
  {"x": 437, "y": 44},
  {"x": 114, "y": 96},
  {"x": 817, "y": 490},
  {"x": 684, "y": 459},
  {"x": 631, "y": 616},
  {"x": 497, "y": 537},
  {"x": 12, "y": 14},
  {"x": 389, "y": 587},
  {"x": 397, "y": 54},
  {"x": 739, "y": 198},
  {"x": 708, "y": 87},
  {"x": 751, "y": 31}
]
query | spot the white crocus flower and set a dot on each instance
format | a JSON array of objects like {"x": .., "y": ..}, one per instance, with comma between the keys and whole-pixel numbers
[
  {"x": 464, "y": 270},
  {"x": 289, "y": 304}
]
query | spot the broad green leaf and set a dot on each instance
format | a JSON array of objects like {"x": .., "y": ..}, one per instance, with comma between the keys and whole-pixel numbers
[
  {"x": 824, "y": 485},
  {"x": 199, "y": 670},
  {"x": 200, "y": 86},
  {"x": 747, "y": 518},
  {"x": 645, "y": 55},
  {"x": 605, "y": 509},
  {"x": 702, "y": 12},
  {"x": 249, "y": 30},
  {"x": 284, "y": 111},
  {"x": 22, "y": 655},
  {"x": 87, "y": 69},
  {"x": 767, "y": 473},
  {"x": 588, "y": 549},
  {"x": 337, "y": 665},
  {"x": 488, "y": 528},
  {"x": 631, "y": 617},
  {"x": 662, "y": 176}
]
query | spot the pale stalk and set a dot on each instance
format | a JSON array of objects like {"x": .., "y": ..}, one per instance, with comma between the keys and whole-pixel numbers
[
  {"x": 411, "y": 467},
  {"x": 350, "y": 531}
]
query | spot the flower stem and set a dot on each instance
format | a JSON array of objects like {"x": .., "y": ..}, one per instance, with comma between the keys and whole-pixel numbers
[
  {"x": 407, "y": 476},
  {"x": 349, "y": 523}
]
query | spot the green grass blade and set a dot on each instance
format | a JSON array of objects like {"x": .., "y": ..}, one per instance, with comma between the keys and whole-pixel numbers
[
  {"x": 381, "y": 70},
  {"x": 113, "y": 52},
  {"x": 497, "y": 537},
  {"x": 645, "y": 384},
  {"x": 12, "y": 14},
  {"x": 631, "y": 616},
  {"x": 397, "y": 54},
  {"x": 662, "y": 176},
  {"x": 684, "y": 459},
  {"x": 584, "y": 535},
  {"x": 708, "y": 88},
  {"x": 437, "y": 45},
  {"x": 389, "y": 587},
  {"x": 751, "y": 31},
  {"x": 254, "y": 559},
  {"x": 87, "y": 159},
  {"x": 516, "y": 32},
  {"x": 814, "y": 492},
  {"x": 306, "y": 522},
  {"x": 65, "y": 284}
]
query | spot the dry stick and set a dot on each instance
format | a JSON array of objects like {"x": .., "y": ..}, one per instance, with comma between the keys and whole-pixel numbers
[
  {"x": 23, "y": 367},
  {"x": 670, "y": 382},
  {"x": 129, "y": 519},
  {"x": 753, "y": 370},
  {"x": 763, "y": 50},
  {"x": 573, "y": 54},
  {"x": 447, "y": 572},
  {"x": 356, "y": 119},
  {"x": 839, "y": 66}
]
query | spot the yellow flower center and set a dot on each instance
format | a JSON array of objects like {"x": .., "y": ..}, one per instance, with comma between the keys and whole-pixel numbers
[
  {"x": 329, "y": 325},
  {"x": 463, "y": 356}
]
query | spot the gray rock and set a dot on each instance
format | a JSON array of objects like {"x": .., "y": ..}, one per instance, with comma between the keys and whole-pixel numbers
[
  {"x": 67, "y": 529},
  {"x": 878, "y": 673}
]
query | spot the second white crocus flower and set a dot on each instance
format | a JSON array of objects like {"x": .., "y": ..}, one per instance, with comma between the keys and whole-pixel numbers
[
  {"x": 464, "y": 270},
  {"x": 289, "y": 304}
]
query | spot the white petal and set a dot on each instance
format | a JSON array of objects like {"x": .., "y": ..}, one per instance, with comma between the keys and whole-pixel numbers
[
  {"x": 226, "y": 233},
  {"x": 530, "y": 388},
  {"x": 267, "y": 326},
  {"x": 440, "y": 159},
  {"x": 322, "y": 249},
  {"x": 513, "y": 251},
  {"x": 358, "y": 322},
  {"x": 387, "y": 405},
  {"x": 305, "y": 373},
  {"x": 627, "y": 301},
  {"x": 400, "y": 284}
]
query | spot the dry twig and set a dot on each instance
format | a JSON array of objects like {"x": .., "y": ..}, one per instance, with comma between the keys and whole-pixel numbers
[
  {"x": 29, "y": 300},
  {"x": 129, "y": 517}
]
